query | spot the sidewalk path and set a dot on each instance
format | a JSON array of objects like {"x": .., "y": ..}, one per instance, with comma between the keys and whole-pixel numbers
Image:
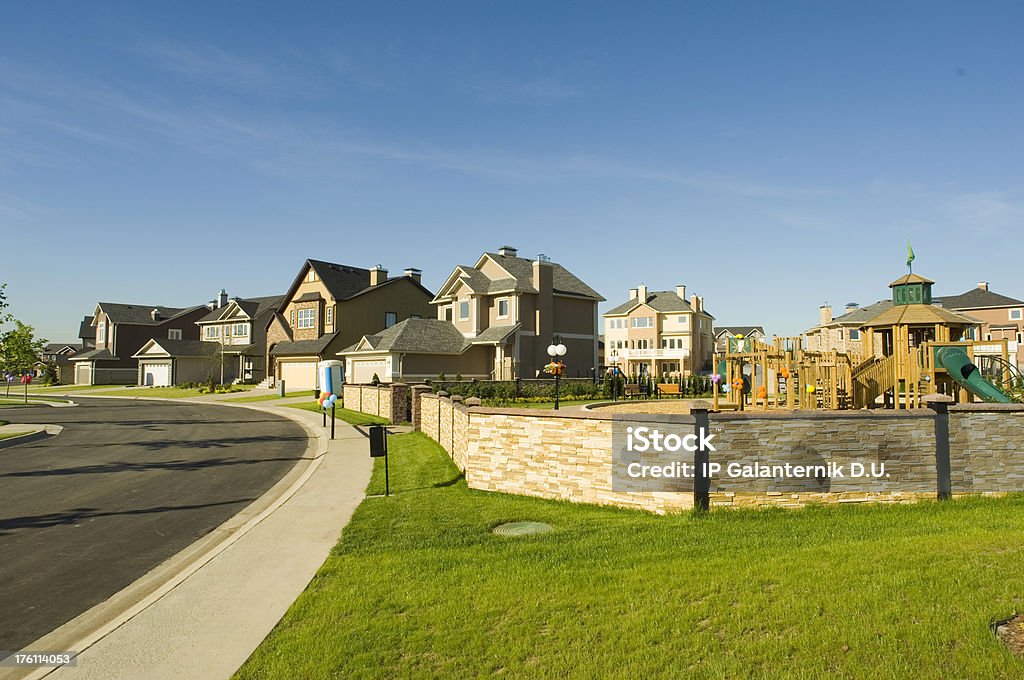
[{"x": 207, "y": 626}]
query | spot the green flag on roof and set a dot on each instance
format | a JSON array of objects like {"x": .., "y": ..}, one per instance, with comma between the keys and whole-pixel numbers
[{"x": 910, "y": 255}]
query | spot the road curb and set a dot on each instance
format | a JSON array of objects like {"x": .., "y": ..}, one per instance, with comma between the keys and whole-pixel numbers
[
  {"x": 91, "y": 626},
  {"x": 45, "y": 433}
]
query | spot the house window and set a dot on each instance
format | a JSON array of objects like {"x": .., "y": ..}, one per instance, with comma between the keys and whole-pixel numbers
[
  {"x": 101, "y": 332},
  {"x": 1020, "y": 337},
  {"x": 306, "y": 318},
  {"x": 854, "y": 335},
  {"x": 503, "y": 308},
  {"x": 330, "y": 316},
  {"x": 664, "y": 343},
  {"x": 241, "y": 329},
  {"x": 447, "y": 313},
  {"x": 311, "y": 276},
  {"x": 174, "y": 334},
  {"x": 643, "y": 322},
  {"x": 1015, "y": 314},
  {"x": 390, "y": 319},
  {"x": 212, "y": 332},
  {"x": 681, "y": 320},
  {"x": 463, "y": 311},
  {"x": 293, "y": 319}
]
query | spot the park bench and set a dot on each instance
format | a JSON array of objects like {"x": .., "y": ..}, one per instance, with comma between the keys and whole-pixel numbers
[
  {"x": 631, "y": 390},
  {"x": 669, "y": 389}
]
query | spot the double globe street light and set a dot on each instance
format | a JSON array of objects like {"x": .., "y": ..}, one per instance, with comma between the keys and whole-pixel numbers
[{"x": 556, "y": 366}]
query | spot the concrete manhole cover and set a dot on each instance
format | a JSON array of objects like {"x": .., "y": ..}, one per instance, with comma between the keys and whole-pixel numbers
[{"x": 521, "y": 528}]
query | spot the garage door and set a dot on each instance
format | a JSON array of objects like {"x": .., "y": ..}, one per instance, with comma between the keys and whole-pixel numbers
[
  {"x": 298, "y": 375},
  {"x": 363, "y": 370},
  {"x": 83, "y": 374},
  {"x": 156, "y": 375}
]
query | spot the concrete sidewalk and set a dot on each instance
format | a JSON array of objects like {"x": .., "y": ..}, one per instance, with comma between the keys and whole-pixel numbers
[{"x": 207, "y": 625}]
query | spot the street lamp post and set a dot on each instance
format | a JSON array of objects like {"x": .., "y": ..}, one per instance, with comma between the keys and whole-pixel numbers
[
  {"x": 556, "y": 366},
  {"x": 615, "y": 376}
]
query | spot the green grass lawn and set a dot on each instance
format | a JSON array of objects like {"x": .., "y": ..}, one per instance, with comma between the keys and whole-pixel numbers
[
  {"x": 419, "y": 587},
  {"x": 347, "y": 415},
  {"x": 272, "y": 397},
  {"x": 68, "y": 388},
  {"x": 166, "y": 392}
]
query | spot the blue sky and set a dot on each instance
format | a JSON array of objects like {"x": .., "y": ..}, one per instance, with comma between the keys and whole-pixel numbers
[{"x": 771, "y": 156}]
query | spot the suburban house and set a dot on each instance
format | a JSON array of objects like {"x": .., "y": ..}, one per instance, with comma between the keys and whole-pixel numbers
[
  {"x": 494, "y": 320},
  {"x": 331, "y": 306},
  {"x": 121, "y": 331},
  {"x": 58, "y": 354},
  {"x": 232, "y": 346},
  {"x": 999, "y": 317},
  {"x": 659, "y": 333},
  {"x": 842, "y": 333},
  {"x": 723, "y": 333}
]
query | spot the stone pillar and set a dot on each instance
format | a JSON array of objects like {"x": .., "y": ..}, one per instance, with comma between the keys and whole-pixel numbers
[
  {"x": 943, "y": 472},
  {"x": 701, "y": 457},
  {"x": 417, "y": 406},
  {"x": 399, "y": 403},
  {"x": 472, "y": 401},
  {"x": 456, "y": 400}
]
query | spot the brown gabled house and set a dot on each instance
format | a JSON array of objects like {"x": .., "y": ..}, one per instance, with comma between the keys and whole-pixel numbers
[
  {"x": 330, "y": 306},
  {"x": 120, "y": 332}
]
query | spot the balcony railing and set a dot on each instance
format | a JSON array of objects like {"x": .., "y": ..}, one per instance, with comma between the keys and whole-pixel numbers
[{"x": 662, "y": 353}]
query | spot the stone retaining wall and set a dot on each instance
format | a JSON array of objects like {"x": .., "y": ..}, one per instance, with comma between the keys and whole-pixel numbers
[
  {"x": 569, "y": 455},
  {"x": 389, "y": 401}
]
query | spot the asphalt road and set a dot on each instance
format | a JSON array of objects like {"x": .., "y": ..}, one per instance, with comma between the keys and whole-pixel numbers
[{"x": 127, "y": 485}]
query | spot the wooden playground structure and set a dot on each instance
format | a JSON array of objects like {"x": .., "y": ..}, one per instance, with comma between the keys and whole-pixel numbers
[{"x": 911, "y": 350}]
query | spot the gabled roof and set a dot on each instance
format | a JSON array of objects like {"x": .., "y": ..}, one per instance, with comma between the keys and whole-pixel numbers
[
  {"x": 303, "y": 347},
  {"x": 738, "y": 330},
  {"x": 177, "y": 348},
  {"x": 86, "y": 331},
  {"x": 251, "y": 307},
  {"x": 519, "y": 279},
  {"x": 418, "y": 336},
  {"x": 665, "y": 301},
  {"x": 140, "y": 315},
  {"x": 342, "y": 281},
  {"x": 57, "y": 347},
  {"x": 978, "y": 298}
]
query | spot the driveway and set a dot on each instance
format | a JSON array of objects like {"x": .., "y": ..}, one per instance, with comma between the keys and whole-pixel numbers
[{"x": 127, "y": 485}]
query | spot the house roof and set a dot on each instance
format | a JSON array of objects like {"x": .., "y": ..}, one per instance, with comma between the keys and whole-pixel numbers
[
  {"x": 92, "y": 354},
  {"x": 342, "y": 281},
  {"x": 86, "y": 331},
  {"x": 425, "y": 336},
  {"x": 300, "y": 347},
  {"x": 520, "y": 278},
  {"x": 665, "y": 301},
  {"x": 978, "y": 298},
  {"x": 738, "y": 330},
  {"x": 494, "y": 335},
  {"x": 179, "y": 348},
  {"x": 55, "y": 347},
  {"x": 253, "y": 307},
  {"x": 141, "y": 314}
]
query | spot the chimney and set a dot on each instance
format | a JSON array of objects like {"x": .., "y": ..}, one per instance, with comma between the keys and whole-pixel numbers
[
  {"x": 850, "y": 306},
  {"x": 507, "y": 251},
  {"x": 641, "y": 292},
  {"x": 825, "y": 314},
  {"x": 414, "y": 274},
  {"x": 983, "y": 285},
  {"x": 222, "y": 298},
  {"x": 695, "y": 303},
  {"x": 681, "y": 291},
  {"x": 212, "y": 304},
  {"x": 378, "y": 275},
  {"x": 154, "y": 314},
  {"x": 632, "y": 293}
]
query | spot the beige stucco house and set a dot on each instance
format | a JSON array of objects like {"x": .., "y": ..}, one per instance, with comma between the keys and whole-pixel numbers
[
  {"x": 331, "y": 306},
  {"x": 659, "y": 333}
]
